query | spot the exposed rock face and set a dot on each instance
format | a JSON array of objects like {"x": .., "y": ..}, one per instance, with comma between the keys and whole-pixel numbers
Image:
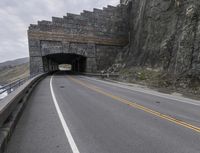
[{"x": 165, "y": 34}]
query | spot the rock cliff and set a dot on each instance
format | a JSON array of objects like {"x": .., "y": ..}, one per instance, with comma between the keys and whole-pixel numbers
[{"x": 164, "y": 35}]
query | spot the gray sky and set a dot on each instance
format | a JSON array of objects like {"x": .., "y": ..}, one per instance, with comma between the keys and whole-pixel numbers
[{"x": 16, "y": 15}]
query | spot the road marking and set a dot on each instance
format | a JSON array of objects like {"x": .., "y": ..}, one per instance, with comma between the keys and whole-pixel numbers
[
  {"x": 150, "y": 92},
  {"x": 137, "y": 106},
  {"x": 63, "y": 122}
]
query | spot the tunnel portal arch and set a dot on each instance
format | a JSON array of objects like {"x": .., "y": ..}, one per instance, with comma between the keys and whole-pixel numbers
[
  {"x": 46, "y": 55},
  {"x": 98, "y": 36},
  {"x": 51, "y": 62}
]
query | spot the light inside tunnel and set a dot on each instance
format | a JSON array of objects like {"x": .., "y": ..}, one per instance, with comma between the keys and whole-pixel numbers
[
  {"x": 65, "y": 67},
  {"x": 77, "y": 62}
]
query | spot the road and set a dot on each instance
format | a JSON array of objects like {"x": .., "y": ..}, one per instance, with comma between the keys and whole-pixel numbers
[{"x": 77, "y": 114}]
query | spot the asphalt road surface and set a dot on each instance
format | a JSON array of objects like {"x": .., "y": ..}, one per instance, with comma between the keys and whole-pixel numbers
[{"x": 77, "y": 114}]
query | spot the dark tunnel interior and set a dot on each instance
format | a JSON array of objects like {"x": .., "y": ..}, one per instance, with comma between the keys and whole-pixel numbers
[{"x": 78, "y": 62}]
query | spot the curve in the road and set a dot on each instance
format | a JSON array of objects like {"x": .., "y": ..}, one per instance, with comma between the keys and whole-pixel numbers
[
  {"x": 140, "y": 107},
  {"x": 63, "y": 122}
]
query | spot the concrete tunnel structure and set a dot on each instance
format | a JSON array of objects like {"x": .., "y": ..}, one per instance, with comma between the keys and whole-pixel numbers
[
  {"x": 78, "y": 62},
  {"x": 89, "y": 42}
]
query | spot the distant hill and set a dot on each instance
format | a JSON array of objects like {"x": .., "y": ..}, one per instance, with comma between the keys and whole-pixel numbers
[
  {"x": 14, "y": 62},
  {"x": 13, "y": 70}
]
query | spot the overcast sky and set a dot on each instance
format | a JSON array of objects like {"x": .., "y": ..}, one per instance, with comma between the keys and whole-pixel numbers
[{"x": 16, "y": 15}]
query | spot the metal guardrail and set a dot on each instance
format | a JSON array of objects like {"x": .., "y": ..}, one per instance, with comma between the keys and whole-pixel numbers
[
  {"x": 8, "y": 103},
  {"x": 12, "y": 106},
  {"x": 8, "y": 88}
]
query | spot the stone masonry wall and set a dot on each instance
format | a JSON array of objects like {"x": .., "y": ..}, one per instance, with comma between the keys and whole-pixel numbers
[{"x": 97, "y": 35}]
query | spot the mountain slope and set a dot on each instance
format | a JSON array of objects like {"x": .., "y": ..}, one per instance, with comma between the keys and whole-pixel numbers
[
  {"x": 13, "y": 70},
  {"x": 14, "y": 62}
]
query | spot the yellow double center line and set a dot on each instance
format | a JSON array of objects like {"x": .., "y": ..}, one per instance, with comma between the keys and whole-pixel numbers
[{"x": 140, "y": 107}]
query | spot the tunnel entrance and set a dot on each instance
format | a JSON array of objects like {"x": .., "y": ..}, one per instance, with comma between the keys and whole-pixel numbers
[
  {"x": 77, "y": 62},
  {"x": 65, "y": 67}
]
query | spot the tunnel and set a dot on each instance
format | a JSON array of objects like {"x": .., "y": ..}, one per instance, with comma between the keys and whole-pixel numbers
[{"x": 78, "y": 62}]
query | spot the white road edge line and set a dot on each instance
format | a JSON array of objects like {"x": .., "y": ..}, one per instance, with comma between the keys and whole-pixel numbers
[{"x": 64, "y": 124}]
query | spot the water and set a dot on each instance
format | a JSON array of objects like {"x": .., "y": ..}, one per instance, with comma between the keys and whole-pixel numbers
[{"x": 3, "y": 95}]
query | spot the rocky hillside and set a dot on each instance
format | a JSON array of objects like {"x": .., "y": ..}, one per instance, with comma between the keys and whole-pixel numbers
[
  {"x": 14, "y": 62},
  {"x": 164, "y": 43},
  {"x": 13, "y": 70},
  {"x": 165, "y": 35}
]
